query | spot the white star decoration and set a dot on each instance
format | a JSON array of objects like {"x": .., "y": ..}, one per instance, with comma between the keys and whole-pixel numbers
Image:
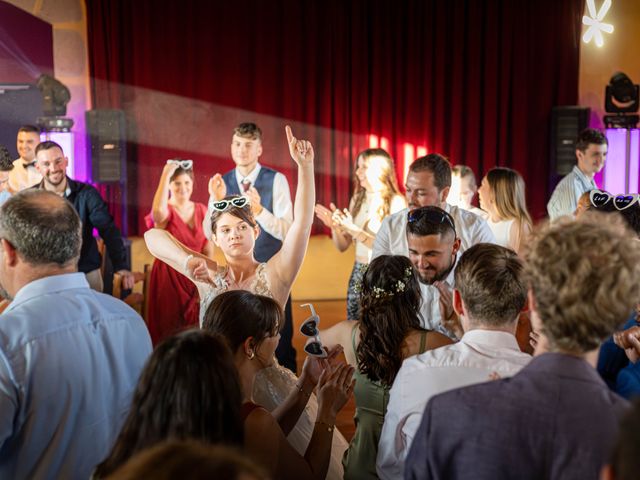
[{"x": 594, "y": 22}]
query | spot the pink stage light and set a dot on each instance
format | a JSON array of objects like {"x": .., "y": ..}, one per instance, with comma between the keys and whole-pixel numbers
[{"x": 620, "y": 177}]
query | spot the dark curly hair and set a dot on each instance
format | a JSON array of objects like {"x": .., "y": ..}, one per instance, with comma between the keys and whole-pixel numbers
[
  {"x": 189, "y": 389},
  {"x": 388, "y": 314}
]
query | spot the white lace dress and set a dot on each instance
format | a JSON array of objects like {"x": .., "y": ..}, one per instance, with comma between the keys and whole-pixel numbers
[{"x": 273, "y": 384}]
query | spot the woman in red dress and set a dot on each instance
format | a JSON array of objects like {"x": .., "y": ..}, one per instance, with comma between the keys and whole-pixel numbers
[{"x": 173, "y": 299}]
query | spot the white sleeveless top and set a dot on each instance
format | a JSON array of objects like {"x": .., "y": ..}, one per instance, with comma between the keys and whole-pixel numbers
[
  {"x": 367, "y": 219},
  {"x": 501, "y": 231}
]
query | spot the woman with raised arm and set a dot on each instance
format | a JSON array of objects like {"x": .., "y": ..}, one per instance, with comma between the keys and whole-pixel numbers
[
  {"x": 234, "y": 232},
  {"x": 175, "y": 212},
  {"x": 375, "y": 195},
  {"x": 389, "y": 331}
]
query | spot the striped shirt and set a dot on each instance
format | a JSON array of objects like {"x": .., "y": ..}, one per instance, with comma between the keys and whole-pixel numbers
[{"x": 564, "y": 199}]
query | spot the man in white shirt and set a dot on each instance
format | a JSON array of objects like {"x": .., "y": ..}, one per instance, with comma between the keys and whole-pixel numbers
[
  {"x": 428, "y": 184},
  {"x": 591, "y": 153},
  {"x": 270, "y": 198},
  {"x": 490, "y": 293},
  {"x": 433, "y": 250},
  {"x": 24, "y": 173}
]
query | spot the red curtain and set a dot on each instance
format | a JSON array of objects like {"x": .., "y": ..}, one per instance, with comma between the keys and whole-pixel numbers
[{"x": 472, "y": 80}]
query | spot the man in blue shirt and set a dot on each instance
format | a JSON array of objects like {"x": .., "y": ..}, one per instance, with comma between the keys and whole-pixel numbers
[{"x": 70, "y": 357}]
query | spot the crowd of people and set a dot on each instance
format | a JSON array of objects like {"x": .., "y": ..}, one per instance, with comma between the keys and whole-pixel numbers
[{"x": 476, "y": 345}]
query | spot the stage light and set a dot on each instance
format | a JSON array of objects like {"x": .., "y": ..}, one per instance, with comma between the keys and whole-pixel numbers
[
  {"x": 622, "y": 97},
  {"x": 595, "y": 24},
  {"x": 55, "y": 96}
]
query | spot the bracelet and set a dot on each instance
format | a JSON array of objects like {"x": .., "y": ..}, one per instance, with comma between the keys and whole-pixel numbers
[
  {"x": 186, "y": 262},
  {"x": 328, "y": 426},
  {"x": 299, "y": 387}
]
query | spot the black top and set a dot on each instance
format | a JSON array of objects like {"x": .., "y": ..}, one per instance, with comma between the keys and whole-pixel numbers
[{"x": 93, "y": 213}]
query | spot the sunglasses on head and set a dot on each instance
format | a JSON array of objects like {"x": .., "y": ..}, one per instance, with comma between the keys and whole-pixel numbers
[
  {"x": 599, "y": 198},
  {"x": 185, "y": 164},
  {"x": 433, "y": 215},
  {"x": 309, "y": 328},
  {"x": 224, "y": 205}
]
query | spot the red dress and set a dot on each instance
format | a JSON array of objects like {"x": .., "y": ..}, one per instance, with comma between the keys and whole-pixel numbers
[{"x": 173, "y": 298}]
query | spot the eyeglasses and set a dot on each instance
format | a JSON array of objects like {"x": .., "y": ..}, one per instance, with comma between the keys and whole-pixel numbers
[
  {"x": 224, "y": 205},
  {"x": 185, "y": 164},
  {"x": 433, "y": 215},
  {"x": 309, "y": 328},
  {"x": 622, "y": 201}
]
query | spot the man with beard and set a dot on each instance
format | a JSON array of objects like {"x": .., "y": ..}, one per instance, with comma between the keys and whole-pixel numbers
[
  {"x": 52, "y": 165},
  {"x": 433, "y": 250}
]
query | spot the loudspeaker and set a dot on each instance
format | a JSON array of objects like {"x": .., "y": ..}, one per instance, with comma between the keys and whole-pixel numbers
[
  {"x": 106, "y": 132},
  {"x": 566, "y": 124}
]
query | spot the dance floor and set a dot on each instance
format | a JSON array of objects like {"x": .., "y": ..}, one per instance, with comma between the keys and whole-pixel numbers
[{"x": 330, "y": 312}]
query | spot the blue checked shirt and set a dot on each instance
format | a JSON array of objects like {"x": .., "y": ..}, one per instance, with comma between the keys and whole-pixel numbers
[{"x": 564, "y": 199}]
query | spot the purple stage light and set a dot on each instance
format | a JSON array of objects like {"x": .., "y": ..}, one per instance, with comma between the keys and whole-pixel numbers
[{"x": 621, "y": 170}]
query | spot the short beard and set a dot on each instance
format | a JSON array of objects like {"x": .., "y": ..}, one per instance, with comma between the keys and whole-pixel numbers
[{"x": 439, "y": 276}]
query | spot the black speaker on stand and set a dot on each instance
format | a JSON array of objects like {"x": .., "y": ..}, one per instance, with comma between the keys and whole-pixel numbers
[
  {"x": 566, "y": 123},
  {"x": 106, "y": 132}
]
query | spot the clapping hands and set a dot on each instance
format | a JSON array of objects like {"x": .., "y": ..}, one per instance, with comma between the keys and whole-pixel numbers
[{"x": 629, "y": 341}]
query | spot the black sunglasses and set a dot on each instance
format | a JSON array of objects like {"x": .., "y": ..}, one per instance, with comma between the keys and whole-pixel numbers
[
  {"x": 433, "y": 215},
  {"x": 309, "y": 328}
]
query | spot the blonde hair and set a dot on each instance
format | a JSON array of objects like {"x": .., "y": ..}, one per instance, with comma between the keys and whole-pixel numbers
[
  {"x": 387, "y": 178},
  {"x": 508, "y": 191},
  {"x": 584, "y": 278}
]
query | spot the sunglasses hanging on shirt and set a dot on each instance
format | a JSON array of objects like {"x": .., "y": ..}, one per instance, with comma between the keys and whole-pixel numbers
[
  {"x": 185, "y": 164},
  {"x": 309, "y": 328}
]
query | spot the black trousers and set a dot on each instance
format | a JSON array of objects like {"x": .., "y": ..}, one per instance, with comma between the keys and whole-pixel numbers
[{"x": 285, "y": 353}]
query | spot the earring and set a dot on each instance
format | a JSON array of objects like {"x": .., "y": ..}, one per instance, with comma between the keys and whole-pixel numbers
[{"x": 252, "y": 355}]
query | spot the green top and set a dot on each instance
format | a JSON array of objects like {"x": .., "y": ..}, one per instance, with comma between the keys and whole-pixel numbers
[{"x": 372, "y": 399}]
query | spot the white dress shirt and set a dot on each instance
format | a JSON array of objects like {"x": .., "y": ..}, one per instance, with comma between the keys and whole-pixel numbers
[
  {"x": 391, "y": 239},
  {"x": 276, "y": 223},
  {"x": 564, "y": 199},
  {"x": 472, "y": 360},
  {"x": 21, "y": 177},
  {"x": 430, "y": 306}
]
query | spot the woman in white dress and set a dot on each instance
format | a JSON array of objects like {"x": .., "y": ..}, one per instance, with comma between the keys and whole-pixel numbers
[
  {"x": 375, "y": 195},
  {"x": 234, "y": 232},
  {"x": 502, "y": 196}
]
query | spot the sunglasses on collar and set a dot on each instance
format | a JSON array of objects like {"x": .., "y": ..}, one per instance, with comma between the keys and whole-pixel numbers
[
  {"x": 309, "y": 328},
  {"x": 622, "y": 201},
  {"x": 224, "y": 205}
]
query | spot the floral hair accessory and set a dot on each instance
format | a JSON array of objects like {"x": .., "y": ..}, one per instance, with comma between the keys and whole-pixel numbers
[{"x": 398, "y": 286}]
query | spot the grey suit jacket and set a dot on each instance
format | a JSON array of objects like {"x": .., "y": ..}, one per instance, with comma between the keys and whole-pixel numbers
[{"x": 555, "y": 419}]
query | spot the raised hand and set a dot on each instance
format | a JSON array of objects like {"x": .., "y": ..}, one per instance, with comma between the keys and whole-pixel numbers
[
  {"x": 324, "y": 215},
  {"x": 301, "y": 150},
  {"x": 217, "y": 188},
  {"x": 202, "y": 270},
  {"x": 169, "y": 170}
]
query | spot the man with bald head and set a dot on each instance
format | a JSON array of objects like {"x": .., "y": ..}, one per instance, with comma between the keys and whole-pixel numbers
[{"x": 70, "y": 357}]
